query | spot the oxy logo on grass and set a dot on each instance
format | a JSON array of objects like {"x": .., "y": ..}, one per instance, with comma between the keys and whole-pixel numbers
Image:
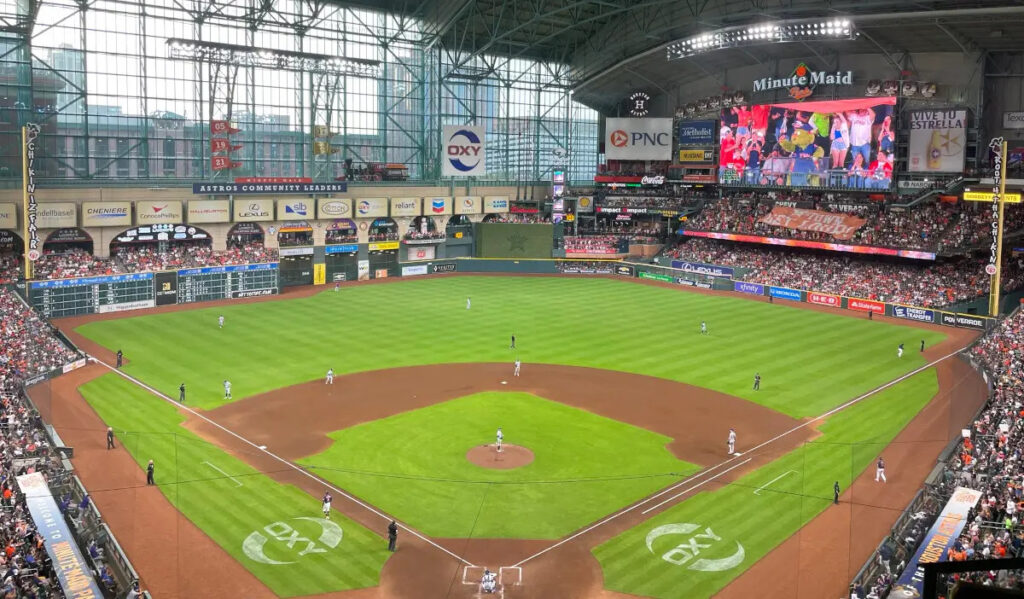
[
  {"x": 280, "y": 544},
  {"x": 701, "y": 550}
]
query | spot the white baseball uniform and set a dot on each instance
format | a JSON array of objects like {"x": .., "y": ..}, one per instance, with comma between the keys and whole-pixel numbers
[
  {"x": 330, "y": 377},
  {"x": 468, "y": 304},
  {"x": 220, "y": 321},
  {"x": 518, "y": 364},
  {"x": 227, "y": 389},
  {"x": 732, "y": 441},
  {"x": 500, "y": 436}
]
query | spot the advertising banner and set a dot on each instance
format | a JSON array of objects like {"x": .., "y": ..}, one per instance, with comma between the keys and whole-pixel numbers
[
  {"x": 698, "y": 155},
  {"x": 625, "y": 270},
  {"x": 697, "y": 133},
  {"x": 56, "y": 215},
  {"x": 807, "y": 132},
  {"x": 912, "y": 313},
  {"x": 73, "y": 572},
  {"x": 823, "y": 299},
  {"x": 426, "y": 252},
  {"x": 962, "y": 320},
  {"x": 148, "y": 212},
  {"x": 363, "y": 270},
  {"x": 985, "y": 196},
  {"x": 410, "y": 271},
  {"x": 704, "y": 269},
  {"x": 655, "y": 276},
  {"x": 1013, "y": 120},
  {"x": 467, "y": 205},
  {"x": 383, "y": 246},
  {"x": 752, "y": 288},
  {"x": 8, "y": 216},
  {"x": 463, "y": 151},
  {"x": 328, "y": 209},
  {"x": 938, "y": 141},
  {"x": 371, "y": 207},
  {"x": 106, "y": 214},
  {"x": 302, "y": 251},
  {"x": 406, "y": 206},
  {"x": 840, "y": 226},
  {"x": 29, "y": 134},
  {"x": 785, "y": 293},
  {"x": 865, "y": 305},
  {"x": 638, "y": 139},
  {"x": 495, "y": 204},
  {"x": 247, "y": 211},
  {"x": 443, "y": 267},
  {"x": 818, "y": 245},
  {"x": 941, "y": 536},
  {"x": 209, "y": 211},
  {"x": 437, "y": 205},
  {"x": 294, "y": 209},
  {"x": 688, "y": 178},
  {"x": 342, "y": 248},
  {"x": 585, "y": 204},
  {"x": 267, "y": 188}
]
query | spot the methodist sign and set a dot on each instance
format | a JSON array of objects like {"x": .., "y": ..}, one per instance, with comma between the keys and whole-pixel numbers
[{"x": 638, "y": 139}]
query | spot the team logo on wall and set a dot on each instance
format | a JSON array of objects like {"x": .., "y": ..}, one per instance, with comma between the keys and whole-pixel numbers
[
  {"x": 464, "y": 151},
  {"x": 639, "y": 104}
]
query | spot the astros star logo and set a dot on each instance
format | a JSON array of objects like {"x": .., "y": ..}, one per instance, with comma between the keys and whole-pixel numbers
[
  {"x": 950, "y": 142},
  {"x": 517, "y": 242}
]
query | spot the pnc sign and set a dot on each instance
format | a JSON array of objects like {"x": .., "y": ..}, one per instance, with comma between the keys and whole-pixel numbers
[
  {"x": 638, "y": 139},
  {"x": 464, "y": 151},
  {"x": 698, "y": 547}
]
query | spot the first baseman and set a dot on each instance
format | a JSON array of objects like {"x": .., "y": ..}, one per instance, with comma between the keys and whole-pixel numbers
[
  {"x": 880, "y": 470},
  {"x": 732, "y": 441}
]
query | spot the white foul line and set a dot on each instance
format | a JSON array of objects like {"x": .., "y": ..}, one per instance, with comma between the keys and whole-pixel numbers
[
  {"x": 783, "y": 475},
  {"x": 238, "y": 484},
  {"x": 294, "y": 467},
  {"x": 730, "y": 460},
  {"x": 697, "y": 486}
]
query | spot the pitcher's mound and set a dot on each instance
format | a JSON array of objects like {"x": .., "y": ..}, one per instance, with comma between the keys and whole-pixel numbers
[{"x": 511, "y": 456}]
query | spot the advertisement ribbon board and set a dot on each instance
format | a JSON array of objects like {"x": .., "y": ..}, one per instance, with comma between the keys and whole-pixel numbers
[
  {"x": 785, "y": 293},
  {"x": 912, "y": 313},
  {"x": 941, "y": 536}
]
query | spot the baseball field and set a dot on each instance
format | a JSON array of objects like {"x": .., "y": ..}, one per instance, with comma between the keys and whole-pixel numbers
[{"x": 619, "y": 419}]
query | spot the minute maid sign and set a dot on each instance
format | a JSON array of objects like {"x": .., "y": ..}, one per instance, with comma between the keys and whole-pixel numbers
[{"x": 801, "y": 82}]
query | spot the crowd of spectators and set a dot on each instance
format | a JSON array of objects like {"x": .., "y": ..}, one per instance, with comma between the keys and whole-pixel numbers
[
  {"x": 919, "y": 283},
  {"x": 10, "y": 268},
  {"x": 377, "y": 236},
  {"x": 598, "y": 244},
  {"x": 637, "y": 232},
  {"x": 413, "y": 234},
  {"x": 934, "y": 226},
  {"x": 77, "y": 262},
  {"x": 29, "y": 346},
  {"x": 519, "y": 218},
  {"x": 657, "y": 202}
]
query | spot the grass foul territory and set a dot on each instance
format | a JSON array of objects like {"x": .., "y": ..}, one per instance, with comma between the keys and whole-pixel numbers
[
  {"x": 599, "y": 323},
  {"x": 253, "y": 517},
  {"x": 584, "y": 467},
  {"x": 696, "y": 547}
]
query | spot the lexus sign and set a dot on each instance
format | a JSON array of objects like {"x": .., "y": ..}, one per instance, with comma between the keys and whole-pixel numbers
[{"x": 638, "y": 139}]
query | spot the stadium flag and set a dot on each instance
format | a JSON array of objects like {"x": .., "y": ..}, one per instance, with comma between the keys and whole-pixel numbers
[
  {"x": 840, "y": 226},
  {"x": 220, "y": 127},
  {"x": 221, "y": 163},
  {"x": 941, "y": 536},
  {"x": 72, "y": 570}
]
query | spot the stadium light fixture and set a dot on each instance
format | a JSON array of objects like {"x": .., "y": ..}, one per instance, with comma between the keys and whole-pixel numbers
[
  {"x": 765, "y": 33},
  {"x": 248, "y": 56}
]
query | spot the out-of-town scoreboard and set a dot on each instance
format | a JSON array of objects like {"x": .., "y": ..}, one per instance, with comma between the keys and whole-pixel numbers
[{"x": 117, "y": 293}]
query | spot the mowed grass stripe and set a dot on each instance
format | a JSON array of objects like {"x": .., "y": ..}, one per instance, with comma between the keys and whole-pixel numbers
[
  {"x": 850, "y": 441},
  {"x": 151, "y": 429},
  {"x": 598, "y": 323}
]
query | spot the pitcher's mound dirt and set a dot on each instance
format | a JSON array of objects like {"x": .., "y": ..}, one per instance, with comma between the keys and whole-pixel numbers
[{"x": 511, "y": 456}]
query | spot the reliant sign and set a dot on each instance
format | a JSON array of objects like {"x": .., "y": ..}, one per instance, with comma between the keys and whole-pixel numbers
[{"x": 802, "y": 81}]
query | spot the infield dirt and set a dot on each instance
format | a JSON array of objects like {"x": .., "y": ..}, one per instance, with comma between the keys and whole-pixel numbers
[{"x": 175, "y": 559}]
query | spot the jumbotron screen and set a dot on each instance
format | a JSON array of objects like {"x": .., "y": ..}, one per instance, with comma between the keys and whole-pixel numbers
[{"x": 834, "y": 143}]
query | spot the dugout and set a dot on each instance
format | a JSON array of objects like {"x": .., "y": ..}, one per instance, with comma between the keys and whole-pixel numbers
[{"x": 295, "y": 240}]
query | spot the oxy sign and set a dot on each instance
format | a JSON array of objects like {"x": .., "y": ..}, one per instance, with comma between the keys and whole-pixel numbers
[
  {"x": 638, "y": 139},
  {"x": 279, "y": 543},
  {"x": 463, "y": 151},
  {"x": 700, "y": 548}
]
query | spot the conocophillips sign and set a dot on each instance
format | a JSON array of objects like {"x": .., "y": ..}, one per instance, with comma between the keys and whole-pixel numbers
[
  {"x": 638, "y": 139},
  {"x": 149, "y": 212}
]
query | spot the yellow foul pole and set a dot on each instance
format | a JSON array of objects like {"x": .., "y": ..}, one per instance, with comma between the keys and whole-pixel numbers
[
  {"x": 995, "y": 267},
  {"x": 25, "y": 202}
]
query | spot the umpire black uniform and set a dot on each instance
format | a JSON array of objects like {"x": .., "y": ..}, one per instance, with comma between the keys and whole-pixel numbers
[
  {"x": 110, "y": 438},
  {"x": 149, "y": 473},
  {"x": 392, "y": 535},
  {"x": 120, "y": 358},
  {"x": 181, "y": 393}
]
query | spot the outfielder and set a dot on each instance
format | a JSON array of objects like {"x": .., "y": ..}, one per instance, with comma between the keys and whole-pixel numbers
[
  {"x": 327, "y": 505},
  {"x": 732, "y": 441},
  {"x": 330, "y": 377},
  {"x": 899, "y": 351},
  {"x": 227, "y": 389},
  {"x": 757, "y": 381},
  {"x": 703, "y": 328},
  {"x": 220, "y": 321},
  {"x": 880, "y": 470},
  {"x": 513, "y": 346},
  {"x": 518, "y": 364},
  {"x": 468, "y": 303},
  {"x": 499, "y": 437}
]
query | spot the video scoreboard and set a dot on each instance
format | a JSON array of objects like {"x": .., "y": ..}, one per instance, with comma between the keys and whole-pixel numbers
[{"x": 117, "y": 293}]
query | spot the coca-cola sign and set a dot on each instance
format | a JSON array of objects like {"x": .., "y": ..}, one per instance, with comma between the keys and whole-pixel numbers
[{"x": 653, "y": 180}]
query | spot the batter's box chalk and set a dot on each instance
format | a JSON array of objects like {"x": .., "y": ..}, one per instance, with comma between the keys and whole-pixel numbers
[{"x": 510, "y": 575}]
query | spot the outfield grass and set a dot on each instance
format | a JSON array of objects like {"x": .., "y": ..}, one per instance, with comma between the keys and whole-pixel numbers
[
  {"x": 850, "y": 441},
  {"x": 600, "y": 323},
  {"x": 229, "y": 500},
  {"x": 427, "y": 482}
]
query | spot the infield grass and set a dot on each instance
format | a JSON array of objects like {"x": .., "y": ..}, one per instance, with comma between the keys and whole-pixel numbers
[
  {"x": 598, "y": 323},
  {"x": 850, "y": 441},
  {"x": 229, "y": 500},
  {"x": 585, "y": 466}
]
